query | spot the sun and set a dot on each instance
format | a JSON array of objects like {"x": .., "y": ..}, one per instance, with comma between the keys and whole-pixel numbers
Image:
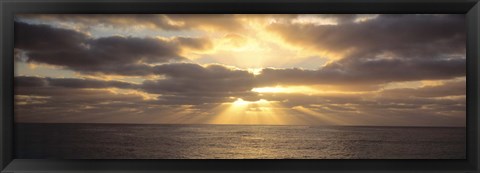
[
  {"x": 242, "y": 111},
  {"x": 241, "y": 102},
  {"x": 269, "y": 90},
  {"x": 286, "y": 89}
]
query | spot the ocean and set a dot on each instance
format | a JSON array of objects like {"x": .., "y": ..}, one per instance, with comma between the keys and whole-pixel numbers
[{"x": 123, "y": 141}]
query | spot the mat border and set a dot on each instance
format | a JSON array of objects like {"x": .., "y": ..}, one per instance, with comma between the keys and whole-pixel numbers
[{"x": 9, "y": 8}]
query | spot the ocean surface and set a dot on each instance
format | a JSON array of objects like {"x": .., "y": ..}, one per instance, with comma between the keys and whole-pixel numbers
[{"x": 120, "y": 141}]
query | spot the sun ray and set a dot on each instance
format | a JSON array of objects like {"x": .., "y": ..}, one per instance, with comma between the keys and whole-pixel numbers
[
  {"x": 249, "y": 112},
  {"x": 322, "y": 117}
]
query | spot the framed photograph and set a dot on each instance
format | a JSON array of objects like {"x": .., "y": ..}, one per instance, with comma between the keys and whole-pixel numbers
[{"x": 240, "y": 86}]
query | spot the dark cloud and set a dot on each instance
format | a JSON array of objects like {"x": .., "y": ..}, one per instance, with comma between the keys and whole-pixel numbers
[
  {"x": 169, "y": 22},
  {"x": 114, "y": 20},
  {"x": 407, "y": 36},
  {"x": 457, "y": 88},
  {"x": 194, "y": 43},
  {"x": 108, "y": 55},
  {"x": 30, "y": 81},
  {"x": 44, "y": 37},
  {"x": 60, "y": 104},
  {"x": 187, "y": 99},
  {"x": 358, "y": 72},
  {"x": 88, "y": 83},
  {"x": 193, "y": 82},
  {"x": 78, "y": 100},
  {"x": 190, "y": 70},
  {"x": 386, "y": 49},
  {"x": 183, "y": 84},
  {"x": 72, "y": 100}
]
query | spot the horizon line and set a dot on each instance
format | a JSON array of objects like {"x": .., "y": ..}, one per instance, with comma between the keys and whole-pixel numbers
[{"x": 414, "y": 126}]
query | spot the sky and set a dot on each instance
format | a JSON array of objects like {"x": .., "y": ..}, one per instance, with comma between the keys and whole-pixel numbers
[{"x": 258, "y": 69}]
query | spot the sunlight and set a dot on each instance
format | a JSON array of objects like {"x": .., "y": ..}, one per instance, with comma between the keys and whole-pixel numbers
[
  {"x": 255, "y": 71},
  {"x": 245, "y": 49},
  {"x": 323, "y": 117},
  {"x": 270, "y": 90},
  {"x": 286, "y": 89},
  {"x": 249, "y": 112},
  {"x": 241, "y": 102}
]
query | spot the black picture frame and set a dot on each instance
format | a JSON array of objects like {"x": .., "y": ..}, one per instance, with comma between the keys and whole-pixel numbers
[{"x": 9, "y": 8}]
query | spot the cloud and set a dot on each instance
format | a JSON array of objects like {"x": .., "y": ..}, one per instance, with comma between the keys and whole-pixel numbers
[
  {"x": 372, "y": 72},
  {"x": 187, "y": 81},
  {"x": 414, "y": 52},
  {"x": 30, "y": 81},
  {"x": 43, "y": 99},
  {"x": 452, "y": 88},
  {"x": 387, "y": 48},
  {"x": 194, "y": 43},
  {"x": 44, "y": 37},
  {"x": 167, "y": 22},
  {"x": 372, "y": 53},
  {"x": 406, "y": 36},
  {"x": 68, "y": 97},
  {"x": 380, "y": 108},
  {"x": 229, "y": 23},
  {"x": 86, "y": 100},
  {"x": 108, "y": 55},
  {"x": 116, "y": 20},
  {"x": 59, "y": 104},
  {"x": 180, "y": 84}
]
